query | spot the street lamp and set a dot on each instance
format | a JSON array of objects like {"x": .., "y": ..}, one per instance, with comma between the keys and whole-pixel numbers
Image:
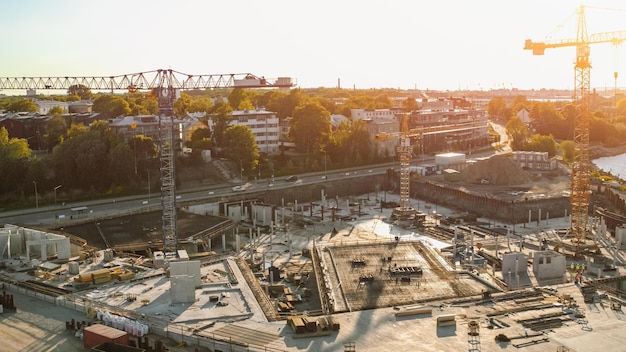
[
  {"x": 55, "y": 194},
  {"x": 133, "y": 126},
  {"x": 36, "y": 196},
  {"x": 324, "y": 164},
  {"x": 148, "y": 171}
]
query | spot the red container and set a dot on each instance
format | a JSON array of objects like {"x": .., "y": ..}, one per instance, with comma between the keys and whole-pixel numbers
[{"x": 97, "y": 334}]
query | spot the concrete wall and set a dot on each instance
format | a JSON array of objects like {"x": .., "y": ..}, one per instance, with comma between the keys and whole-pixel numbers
[
  {"x": 187, "y": 268},
  {"x": 620, "y": 237},
  {"x": 548, "y": 265},
  {"x": 514, "y": 270},
  {"x": 182, "y": 289}
]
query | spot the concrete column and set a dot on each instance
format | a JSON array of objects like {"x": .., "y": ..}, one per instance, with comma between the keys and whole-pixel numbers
[
  {"x": 208, "y": 242},
  {"x": 237, "y": 242},
  {"x": 224, "y": 242}
]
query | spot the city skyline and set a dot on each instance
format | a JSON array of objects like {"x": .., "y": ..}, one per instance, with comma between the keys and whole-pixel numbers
[{"x": 445, "y": 45}]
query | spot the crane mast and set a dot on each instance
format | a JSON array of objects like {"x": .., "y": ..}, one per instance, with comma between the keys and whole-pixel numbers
[
  {"x": 165, "y": 83},
  {"x": 581, "y": 165}
]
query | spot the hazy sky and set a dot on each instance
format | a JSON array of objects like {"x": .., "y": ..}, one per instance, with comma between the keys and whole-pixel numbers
[{"x": 437, "y": 44}]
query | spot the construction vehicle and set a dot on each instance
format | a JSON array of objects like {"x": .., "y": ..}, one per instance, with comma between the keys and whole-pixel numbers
[
  {"x": 166, "y": 84},
  {"x": 581, "y": 166}
]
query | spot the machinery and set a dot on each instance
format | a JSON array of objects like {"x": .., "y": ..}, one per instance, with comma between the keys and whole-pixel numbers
[
  {"x": 166, "y": 83},
  {"x": 581, "y": 166}
]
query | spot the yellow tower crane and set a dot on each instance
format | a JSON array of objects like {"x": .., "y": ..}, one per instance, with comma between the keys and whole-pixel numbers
[{"x": 581, "y": 167}]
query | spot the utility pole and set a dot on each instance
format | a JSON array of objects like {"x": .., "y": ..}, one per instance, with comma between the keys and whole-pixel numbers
[
  {"x": 324, "y": 164},
  {"x": 55, "y": 194}
]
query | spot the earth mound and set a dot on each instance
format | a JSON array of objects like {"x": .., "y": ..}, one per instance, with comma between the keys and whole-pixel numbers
[{"x": 497, "y": 170}]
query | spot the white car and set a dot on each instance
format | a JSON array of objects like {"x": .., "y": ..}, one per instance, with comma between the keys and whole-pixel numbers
[{"x": 238, "y": 189}]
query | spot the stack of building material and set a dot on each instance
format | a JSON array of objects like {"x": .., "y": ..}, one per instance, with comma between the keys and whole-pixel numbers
[
  {"x": 446, "y": 320},
  {"x": 126, "y": 275},
  {"x": 100, "y": 276},
  {"x": 297, "y": 324},
  {"x": 310, "y": 324}
]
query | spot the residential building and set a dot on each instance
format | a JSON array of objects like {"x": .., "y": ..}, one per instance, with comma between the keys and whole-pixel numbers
[
  {"x": 265, "y": 128},
  {"x": 27, "y": 125}
]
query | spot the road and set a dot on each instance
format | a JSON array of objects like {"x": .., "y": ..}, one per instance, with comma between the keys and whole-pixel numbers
[{"x": 149, "y": 202}]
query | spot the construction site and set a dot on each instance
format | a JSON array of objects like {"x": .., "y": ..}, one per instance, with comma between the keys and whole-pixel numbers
[{"x": 485, "y": 257}]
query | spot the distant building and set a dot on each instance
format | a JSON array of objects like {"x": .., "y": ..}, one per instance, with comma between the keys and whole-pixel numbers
[
  {"x": 30, "y": 126},
  {"x": 80, "y": 107},
  {"x": 148, "y": 125},
  {"x": 45, "y": 105},
  {"x": 265, "y": 128},
  {"x": 534, "y": 160}
]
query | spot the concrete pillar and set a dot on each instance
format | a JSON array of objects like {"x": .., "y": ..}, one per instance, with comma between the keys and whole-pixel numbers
[
  {"x": 224, "y": 242},
  {"x": 539, "y": 216},
  {"x": 209, "y": 244},
  {"x": 251, "y": 235},
  {"x": 237, "y": 243}
]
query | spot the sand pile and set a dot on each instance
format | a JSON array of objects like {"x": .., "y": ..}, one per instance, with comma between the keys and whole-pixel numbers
[{"x": 499, "y": 170}]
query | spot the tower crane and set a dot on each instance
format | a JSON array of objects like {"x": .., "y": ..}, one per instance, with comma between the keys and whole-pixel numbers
[
  {"x": 166, "y": 83},
  {"x": 581, "y": 166}
]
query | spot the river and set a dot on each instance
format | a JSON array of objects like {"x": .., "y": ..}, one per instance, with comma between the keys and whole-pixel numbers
[{"x": 616, "y": 165}]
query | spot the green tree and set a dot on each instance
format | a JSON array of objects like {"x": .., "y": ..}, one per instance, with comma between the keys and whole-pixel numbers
[
  {"x": 222, "y": 116},
  {"x": 200, "y": 139},
  {"x": 14, "y": 160},
  {"x": 92, "y": 159},
  {"x": 410, "y": 104},
  {"x": 568, "y": 148},
  {"x": 56, "y": 110},
  {"x": 55, "y": 131},
  {"x": 497, "y": 109},
  {"x": 240, "y": 144},
  {"x": 202, "y": 104},
  {"x": 181, "y": 105},
  {"x": 23, "y": 105},
  {"x": 517, "y": 132},
  {"x": 241, "y": 99},
  {"x": 82, "y": 91},
  {"x": 542, "y": 143},
  {"x": 111, "y": 105},
  {"x": 310, "y": 127}
]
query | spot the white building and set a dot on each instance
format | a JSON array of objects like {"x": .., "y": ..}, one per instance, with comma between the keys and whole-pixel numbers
[
  {"x": 264, "y": 126},
  {"x": 372, "y": 114}
]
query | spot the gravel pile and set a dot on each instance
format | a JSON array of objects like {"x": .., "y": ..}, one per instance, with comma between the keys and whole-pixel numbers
[{"x": 498, "y": 170}]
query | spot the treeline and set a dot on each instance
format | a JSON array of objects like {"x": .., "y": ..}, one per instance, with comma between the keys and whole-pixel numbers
[{"x": 551, "y": 124}]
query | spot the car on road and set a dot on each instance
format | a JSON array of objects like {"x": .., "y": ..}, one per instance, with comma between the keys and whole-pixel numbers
[
  {"x": 238, "y": 189},
  {"x": 292, "y": 178}
]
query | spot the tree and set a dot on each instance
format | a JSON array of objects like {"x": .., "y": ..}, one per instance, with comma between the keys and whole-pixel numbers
[
  {"x": 55, "y": 131},
  {"x": 14, "y": 160},
  {"x": 181, "y": 105},
  {"x": 202, "y": 104},
  {"x": 497, "y": 109},
  {"x": 82, "y": 91},
  {"x": 517, "y": 132},
  {"x": 568, "y": 148},
  {"x": 410, "y": 104},
  {"x": 93, "y": 159},
  {"x": 111, "y": 105},
  {"x": 56, "y": 110},
  {"x": 542, "y": 143},
  {"x": 23, "y": 105},
  {"x": 310, "y": 127},
  {"x": 200, "y": 139},
  {"x": 240, "y": 144},
  {"x": 222, "y": 116},
  {"x": 621, "y": 106},
  {"x": 241, "y": 99}
]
